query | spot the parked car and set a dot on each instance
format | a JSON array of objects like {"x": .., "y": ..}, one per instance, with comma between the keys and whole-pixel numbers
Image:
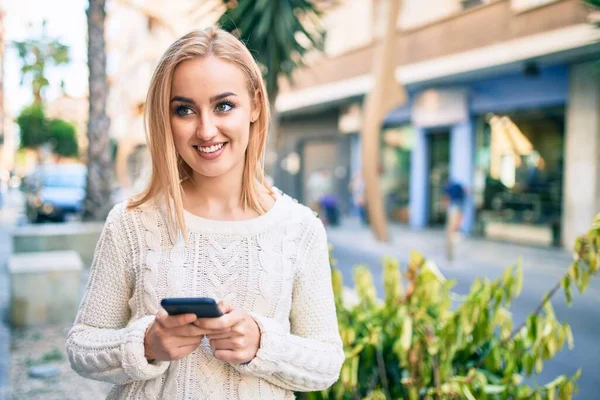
[{"x": 55, "y": 192}]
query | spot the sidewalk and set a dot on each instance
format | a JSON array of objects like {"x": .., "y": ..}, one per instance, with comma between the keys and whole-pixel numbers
[
  {"x": 472, "y": 252},
  {"x": 9, "y": 215}
]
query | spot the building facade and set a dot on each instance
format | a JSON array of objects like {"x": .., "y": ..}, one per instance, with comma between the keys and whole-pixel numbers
[{"x": 503, "y": 98}]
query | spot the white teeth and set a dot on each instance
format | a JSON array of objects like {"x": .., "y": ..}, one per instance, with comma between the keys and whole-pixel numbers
[{"x": 211, "y": 149}]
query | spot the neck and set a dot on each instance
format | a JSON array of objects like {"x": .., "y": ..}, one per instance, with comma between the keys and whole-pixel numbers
[{"x": 216, "y": 196}]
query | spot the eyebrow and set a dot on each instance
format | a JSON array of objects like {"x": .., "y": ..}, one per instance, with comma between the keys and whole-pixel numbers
[
  {"x": 182, "y": 100},
  {"x": 221, "y": 96},
  {"x": 212, "y": 99}
]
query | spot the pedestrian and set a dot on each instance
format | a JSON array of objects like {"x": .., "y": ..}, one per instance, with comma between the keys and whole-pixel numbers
[
  {"x": 454, "y": 197},
  {"x": 357, "y": 188},
  {"x": 207, "y": 225}
]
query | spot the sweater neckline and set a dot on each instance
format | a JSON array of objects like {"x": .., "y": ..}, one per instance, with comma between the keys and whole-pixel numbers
[{"x": 238, "y": 227}]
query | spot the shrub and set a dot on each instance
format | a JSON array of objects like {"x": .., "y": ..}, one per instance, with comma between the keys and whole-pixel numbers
[{"x": 423, "y": 342}]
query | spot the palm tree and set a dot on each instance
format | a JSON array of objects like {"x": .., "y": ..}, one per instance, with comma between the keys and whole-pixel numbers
[
  {"x": 279, "y": 34},
  {"x": 35, "y": 55},
  {"x": 594, "y": 4},
  {"x": 98, "y": 196}
]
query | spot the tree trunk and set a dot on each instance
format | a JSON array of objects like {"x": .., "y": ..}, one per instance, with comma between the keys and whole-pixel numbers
[
  {"x": 98, "y": 196},
  {"x": 37, "y": 96},
  {"x": 385, "y": 95}
]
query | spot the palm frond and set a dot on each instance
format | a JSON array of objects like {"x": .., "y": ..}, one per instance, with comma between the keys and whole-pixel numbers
[{"x": 279, "y": 33}]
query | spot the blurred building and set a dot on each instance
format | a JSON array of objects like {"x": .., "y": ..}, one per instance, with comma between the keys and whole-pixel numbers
[{"x": 503, "y": 98}]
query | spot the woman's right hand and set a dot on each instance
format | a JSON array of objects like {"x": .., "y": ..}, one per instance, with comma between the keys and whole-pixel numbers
[{"x": 171, "y": 337}]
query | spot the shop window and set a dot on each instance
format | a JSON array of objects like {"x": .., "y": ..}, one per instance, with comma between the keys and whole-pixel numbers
[
  {"x": 519, "y": 175},
  {"x": 396, "y": 148}
]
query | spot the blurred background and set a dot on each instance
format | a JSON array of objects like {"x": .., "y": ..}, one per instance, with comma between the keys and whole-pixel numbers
[{"x": 501, "y": 97}]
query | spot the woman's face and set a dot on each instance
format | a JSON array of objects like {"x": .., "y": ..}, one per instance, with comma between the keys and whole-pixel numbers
[{"x": 211, "y": 111}]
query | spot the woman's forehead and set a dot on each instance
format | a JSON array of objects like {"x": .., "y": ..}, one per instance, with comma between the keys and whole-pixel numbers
[{"x": 208, "y": 75}]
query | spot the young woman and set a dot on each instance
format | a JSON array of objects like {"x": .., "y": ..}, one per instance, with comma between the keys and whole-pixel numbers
[{"x": 208, "y": 226}]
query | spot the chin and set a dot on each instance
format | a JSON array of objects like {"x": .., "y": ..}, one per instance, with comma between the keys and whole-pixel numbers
[
  {"x": 212, "y": 171},
  {"x": 210, "y": 174}
]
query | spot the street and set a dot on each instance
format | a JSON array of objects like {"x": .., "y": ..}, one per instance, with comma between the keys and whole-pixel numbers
[{"x": 353, "y": 244}]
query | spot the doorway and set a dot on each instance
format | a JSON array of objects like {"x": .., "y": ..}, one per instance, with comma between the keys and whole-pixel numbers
[{"x": 439, "y": 172}]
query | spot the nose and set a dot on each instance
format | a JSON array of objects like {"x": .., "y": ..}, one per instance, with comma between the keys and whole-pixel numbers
[{"x": 206, "y": 129}]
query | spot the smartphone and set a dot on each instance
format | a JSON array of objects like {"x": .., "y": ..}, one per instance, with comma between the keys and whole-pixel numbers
[{"x": 203, "y": 307}]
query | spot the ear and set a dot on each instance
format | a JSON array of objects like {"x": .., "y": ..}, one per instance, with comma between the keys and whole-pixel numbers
[{"x": 256, "y": 106}]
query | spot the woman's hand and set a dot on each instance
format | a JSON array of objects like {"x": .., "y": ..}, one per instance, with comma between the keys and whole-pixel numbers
[
  {"x": 174, "y": 337},
  {"x": 241, "y": 341}
]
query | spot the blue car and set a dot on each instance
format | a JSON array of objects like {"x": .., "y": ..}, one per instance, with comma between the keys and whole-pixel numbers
[{"x": 55, "y": 192}]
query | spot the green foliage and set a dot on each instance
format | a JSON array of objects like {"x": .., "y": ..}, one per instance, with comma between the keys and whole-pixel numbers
[
  {"x": 64, "y": 138},
  {"x": 279, "y": 33},
  {"x": 424, "y": 342},
  {"x": 35, "y": 55},
  {"x": 33, "y": 126},
  {"x": 37, "y": 130},
  {"x": 53, "y": 355},
  {"x": 595, "y": 4}
]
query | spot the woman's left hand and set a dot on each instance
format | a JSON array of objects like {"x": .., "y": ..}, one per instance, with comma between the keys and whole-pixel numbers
[{"x": 241, "y": 343}]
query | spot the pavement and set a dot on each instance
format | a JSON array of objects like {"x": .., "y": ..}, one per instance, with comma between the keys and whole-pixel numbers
[
  {"x": 476, "y": 257},
  {"x": 10, "y": 214}
]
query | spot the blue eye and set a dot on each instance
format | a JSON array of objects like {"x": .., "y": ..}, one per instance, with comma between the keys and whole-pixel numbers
[
  {"x": 224, "y": 106},
  {"x": 182, "y": 111}
]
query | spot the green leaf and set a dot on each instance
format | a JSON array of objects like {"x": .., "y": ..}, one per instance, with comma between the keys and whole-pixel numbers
[
  {"x": 566, "y": 391},
  {"x": 549, "y": 310},
  {"x": 585, "y": 280},
  {"x": 494, "y": 389},
  {"x": 532, "y": 328},
  {"x": 392, "y": 281},
  {"x": 468, "y": 393},
  {"x": 518, "y": 280},
  {"x": 539, "y": 365},
  {"x": 406, "y": 336},
  {"x": 528, "y": 363},
  {"x": 566, "y": 285},
  {"x": 569, "y": 334}
]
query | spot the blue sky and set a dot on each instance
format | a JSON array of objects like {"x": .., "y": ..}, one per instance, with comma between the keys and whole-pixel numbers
[{"x": 66, "y": 21}]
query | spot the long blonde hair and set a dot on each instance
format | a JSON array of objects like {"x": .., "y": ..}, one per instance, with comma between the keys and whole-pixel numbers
[{"x": 168, "y": 169}]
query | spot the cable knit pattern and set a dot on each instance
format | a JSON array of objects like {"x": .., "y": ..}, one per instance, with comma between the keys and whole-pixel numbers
[
  {"x": 275, "y": 266},
  {"x": 153, "y": 256}
]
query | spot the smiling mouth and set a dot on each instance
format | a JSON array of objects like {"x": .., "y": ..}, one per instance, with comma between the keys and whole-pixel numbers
[{"x": 210, "y": 149}]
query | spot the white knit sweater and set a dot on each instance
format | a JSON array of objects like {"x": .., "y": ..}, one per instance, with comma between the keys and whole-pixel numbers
[{"x": 275, "y": 266}]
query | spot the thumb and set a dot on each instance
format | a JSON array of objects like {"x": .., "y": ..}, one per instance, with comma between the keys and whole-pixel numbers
[
  {"x": 225, "y": 308},
  {"x": 161, "y": 315}
]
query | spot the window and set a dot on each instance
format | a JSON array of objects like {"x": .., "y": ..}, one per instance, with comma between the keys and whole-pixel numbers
[
  {"x": 396, "y": 150},
  {"x": 519, "y": 174}
]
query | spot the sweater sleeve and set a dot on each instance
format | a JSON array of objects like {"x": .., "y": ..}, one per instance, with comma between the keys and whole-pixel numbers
[
  {"x": 103, "y": 343},
  {"x": 311, "y": 356}
]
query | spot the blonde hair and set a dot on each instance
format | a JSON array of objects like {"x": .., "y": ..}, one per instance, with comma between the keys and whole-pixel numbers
[{"x": 168, "y": 169}]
